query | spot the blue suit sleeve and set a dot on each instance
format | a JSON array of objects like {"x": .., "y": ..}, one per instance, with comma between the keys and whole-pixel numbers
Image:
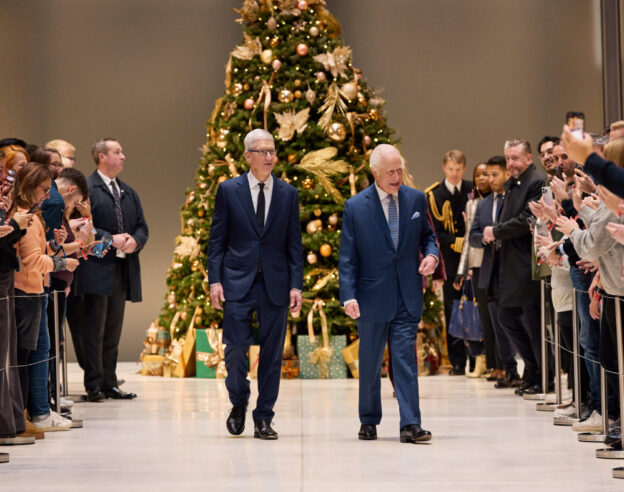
[
  {"x": 218, "y": 238},
  {"x": 295, "y": 247},
  {"x": 348, "y": 259}
]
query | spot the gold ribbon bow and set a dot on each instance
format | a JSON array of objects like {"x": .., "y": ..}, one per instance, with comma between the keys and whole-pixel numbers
[
  {"x": 321, "y": 355},
  {"x": 216, "y": 358}
]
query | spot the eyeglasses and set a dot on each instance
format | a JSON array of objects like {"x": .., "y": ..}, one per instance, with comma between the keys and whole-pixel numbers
[
  {"x": 46, "y": 189},
  {"x": 265, "y": 153}
]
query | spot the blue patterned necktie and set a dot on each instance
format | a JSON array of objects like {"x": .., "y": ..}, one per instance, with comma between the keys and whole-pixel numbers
[
  {"x": 118, "y": 214},
  {"x": 393, "y": 221}
]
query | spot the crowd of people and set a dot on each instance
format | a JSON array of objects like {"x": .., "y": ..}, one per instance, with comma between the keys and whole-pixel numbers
[
  {"x": 68, "y": 244},
  {"x": 520, "y": 221}
]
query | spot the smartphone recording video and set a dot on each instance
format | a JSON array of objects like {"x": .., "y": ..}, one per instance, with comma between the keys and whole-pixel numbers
[{"x": 576, "y": 123}]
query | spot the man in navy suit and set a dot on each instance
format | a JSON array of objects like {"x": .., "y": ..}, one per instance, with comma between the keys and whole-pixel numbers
[
  {"x": 488, "y": 214},
  {"x": 384, "y": 228},
  {"x": 255, "y": 263}
]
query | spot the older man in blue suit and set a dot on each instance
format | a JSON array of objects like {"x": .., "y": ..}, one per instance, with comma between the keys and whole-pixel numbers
[
  {"x": 384, "y": 231},
  {"x": 255, "y": 264}
]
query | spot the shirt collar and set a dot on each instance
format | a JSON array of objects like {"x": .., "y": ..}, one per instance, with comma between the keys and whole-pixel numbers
[
  {"x": 106, "y": 179},
  {"x": 382, "y": 194},
  {"x": 253, "y": 181},
  {"x": 451, "y": 187}
]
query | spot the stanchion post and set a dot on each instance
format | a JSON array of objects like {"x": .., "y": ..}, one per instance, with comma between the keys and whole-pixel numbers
[
  {"x": 57, "y": 334},
  {"x": 64, "y": 350},
  {"x": 576, "y": 357}
]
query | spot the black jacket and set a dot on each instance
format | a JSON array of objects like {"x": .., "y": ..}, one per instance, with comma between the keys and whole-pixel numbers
[
  {"x": 96, "y": 275},
  {"x": 515, "y": 283},
  {"x": 8, "y": 253}
]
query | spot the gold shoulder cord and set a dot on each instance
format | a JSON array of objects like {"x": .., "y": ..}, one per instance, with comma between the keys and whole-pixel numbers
[{"x": 446, "y": 217}]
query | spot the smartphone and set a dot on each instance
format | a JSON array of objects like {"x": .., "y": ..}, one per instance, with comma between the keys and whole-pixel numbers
[
  {"x": 2, "y": 216},
  {"x": 98, "y": 249},
  {"x": 576, "y": 122},
  {"x": 548, "y": 195}
]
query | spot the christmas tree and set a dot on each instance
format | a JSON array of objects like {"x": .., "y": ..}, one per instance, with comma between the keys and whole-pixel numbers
[{"x": 293, "y": 76}]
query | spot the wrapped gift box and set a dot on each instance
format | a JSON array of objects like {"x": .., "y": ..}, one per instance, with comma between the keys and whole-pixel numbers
[
  {"x": 254, "y": 359},
  {"x": 209, "y": 354},
  {"x": 312, "y": 357},
  {"x": 352, "y": 358},
  {"x": 290, "y": 369},
  {"x": 152, "y": 365}
]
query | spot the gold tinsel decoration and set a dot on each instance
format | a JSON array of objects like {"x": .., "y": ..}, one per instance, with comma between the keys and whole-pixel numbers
[
  {"x": 291, "y": 122},
  {"x": 333, "y": 101},
  {"x": 337, "y": 61},
  {"x": 319, "y": 162},
  {"x": 250, "y": 48}
]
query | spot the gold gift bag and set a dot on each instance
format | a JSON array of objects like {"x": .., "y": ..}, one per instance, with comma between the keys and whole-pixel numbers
[{"x": 352, "y": 358}]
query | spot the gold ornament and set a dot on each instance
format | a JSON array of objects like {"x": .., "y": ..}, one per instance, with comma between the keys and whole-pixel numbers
[
  {"x": 222, "y": 138},
  {"x": 201, "y": 213},
  {"x": 248, "y": 104},
  {"x": 312, "y": 258},
  {"x": 336, "y": 132},
  {"x": 367, "y": 140},
  {"x": 246, "y": 87},
  {"x": 318, "y": 212},
  {"x": 285, "y": 96},
  {"x": 325, "y": 250},
  {"x": 221, "y": 179},
  {"x": 310, "y": 96},
  {"x": 361, "y": 99},
  {"x": 274, "y": 42},
  {"x": 302, "y": 4},
  {"x": 314, "y": 226},
  {"x": 297, "y": 82},
  {"x": 198, "y": 320},
  {"x": 292, "y": 158},
  {"x": 276, "y": 65},
  {"x": 302, "y": 49},
  {"x": 298, "y": 94},
  {"x": 321, "y": 77},
  {"x": 195, "y": 266},
  {"x": 236, "y": 89},
  {"x": 333, "y": 219},
  {"x": 349, "y": 90},
  {"x": 308, "y": 183},
  {"x": 203, "y": 186},
  {"x": 177, "y": 266},
  {"x": 374, "y": 114},
  {"x": 184, "y": 315},
  {"x": 266, "y": 57},
  {"x": 171, "y": 298},
  {"x": 314, "y": 31},
  {"x": 272, "y": 24},
  {"x": 331, "y": 228},
  {"x": 199, "y": 311}
]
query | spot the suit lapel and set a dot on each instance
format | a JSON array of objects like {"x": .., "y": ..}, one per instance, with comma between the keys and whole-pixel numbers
[
  {"x": 99, "y": 182},
  {"x": 403, "y": 215},
  {"x": 377, "y": 213},
  {"x": 276, "y": 196},
  {"x": 244, "y": 194}
]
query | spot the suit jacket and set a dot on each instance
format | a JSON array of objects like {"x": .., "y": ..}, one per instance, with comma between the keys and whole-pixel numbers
[
  {"x": 515, "y": 280},
  {"x": 96, "y": 275},
  {"x": 237, "y": 247},
  {"x": 371, "y": 271},
  {"x": 482, "y": 219}
]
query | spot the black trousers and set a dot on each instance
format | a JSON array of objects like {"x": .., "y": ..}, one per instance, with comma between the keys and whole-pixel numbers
[
  {"x": 11, "y": 405},
  {"x": 522, "y": 326},
  {"x": 98, "y": 320},
  {"x": 608, "y": 353}
]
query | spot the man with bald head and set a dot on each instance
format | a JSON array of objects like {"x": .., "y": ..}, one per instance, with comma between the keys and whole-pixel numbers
[{"x": 384, "y": 232}]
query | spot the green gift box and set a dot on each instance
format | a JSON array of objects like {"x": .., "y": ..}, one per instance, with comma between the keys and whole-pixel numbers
[
  {"x": 209, "y": 354},
  {"x": 311, "y": 357}
]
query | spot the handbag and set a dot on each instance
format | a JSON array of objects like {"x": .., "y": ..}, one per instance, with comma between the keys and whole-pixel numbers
[{"x": 465, "y": 320}]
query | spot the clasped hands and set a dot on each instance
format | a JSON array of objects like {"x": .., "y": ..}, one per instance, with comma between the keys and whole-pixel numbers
[{"x": 125, "y": 243}]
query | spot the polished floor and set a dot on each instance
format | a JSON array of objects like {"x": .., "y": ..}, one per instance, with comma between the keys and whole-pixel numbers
[{"x": 173, "y": 437}]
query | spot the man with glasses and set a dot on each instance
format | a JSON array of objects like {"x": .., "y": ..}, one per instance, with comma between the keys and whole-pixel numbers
[
  {"x": 255, "y": 264},
  {"x": 545, "y": 149}
]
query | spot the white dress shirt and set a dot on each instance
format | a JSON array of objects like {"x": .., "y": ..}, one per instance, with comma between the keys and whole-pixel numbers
[
  {"x": 498, "y": 203},
  {"x": 451, "y": 187},
  {"x": 383, "y": 198},
  {"x": 112, "y": 182},
  {"x": 255, "y": 191}
]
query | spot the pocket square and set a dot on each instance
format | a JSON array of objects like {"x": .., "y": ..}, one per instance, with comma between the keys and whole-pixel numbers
[{"x": 416, "y": 215}]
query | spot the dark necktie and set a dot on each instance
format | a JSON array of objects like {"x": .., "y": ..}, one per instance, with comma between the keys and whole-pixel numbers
[
  {"x": 499, "y": 206},
  {"x": 393, "y": 221},
  {"x": 260, "y": 207},
  {"x": 118, "y": 214}
]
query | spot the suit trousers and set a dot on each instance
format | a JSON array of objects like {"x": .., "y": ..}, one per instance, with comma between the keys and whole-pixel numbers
[
  {"x": 506, "y": 350},
  {"x": 400, "y": 333},
  {"x": 456, "y": 346},
  {"x": 238, "y": 336},
  {"x": 522, "y": 325},
  {"x": 99, "y": 320},
  {"x": 11, "y": 406}
]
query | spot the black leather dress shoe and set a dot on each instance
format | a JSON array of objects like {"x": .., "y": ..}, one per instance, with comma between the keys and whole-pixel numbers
[
  {"x": 263, "y": 430},
  {"x": 509, "y": 381},
  {"x": 95, "y": 396},
  {"x": 368, "y": 432},
  {"x": 414, "y": 433},
  {"x": 457, "y": 371},
  {"x": 117, "y": 394},
  {"x": 235, "y": 423},
  {"x": 536, "y": 389}
]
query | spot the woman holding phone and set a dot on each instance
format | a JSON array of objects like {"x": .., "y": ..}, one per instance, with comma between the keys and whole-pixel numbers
[{"x": 38, "y": 259}]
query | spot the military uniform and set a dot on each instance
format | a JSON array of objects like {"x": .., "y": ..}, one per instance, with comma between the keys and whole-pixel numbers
[{"x": 446, "y": 209}]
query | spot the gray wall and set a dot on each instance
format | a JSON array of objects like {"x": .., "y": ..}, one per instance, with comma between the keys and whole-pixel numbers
[{"x": 457, "y": 74}]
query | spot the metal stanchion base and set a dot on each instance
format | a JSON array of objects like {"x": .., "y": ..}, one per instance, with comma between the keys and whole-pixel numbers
[
  {"x": 591, "y": 437},
  {"x": 565, "y": 421},
  {"x": 618, "y": 472},
  {"x": 77, "y": 424},
  {"x": 4, "y": 457},
  {"x": 538, "y": 396},
  {"x": 609, "y": 454},
  {"x": 545, "y": 407}
]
